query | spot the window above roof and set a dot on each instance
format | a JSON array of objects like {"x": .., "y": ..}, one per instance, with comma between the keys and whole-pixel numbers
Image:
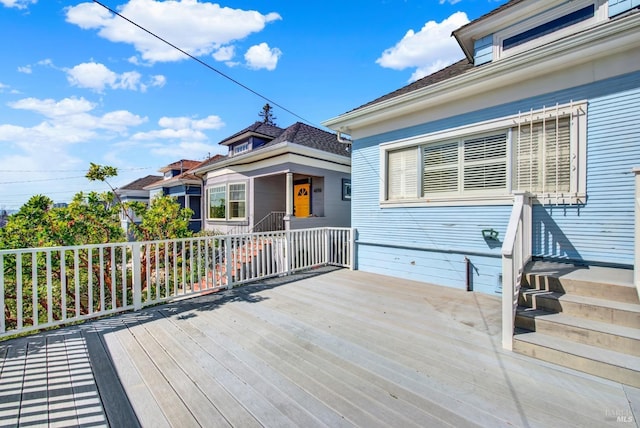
[{"x": 556, "y": 23}]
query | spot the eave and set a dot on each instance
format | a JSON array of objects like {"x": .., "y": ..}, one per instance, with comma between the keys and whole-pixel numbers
[{"x": 598, "y": 42}]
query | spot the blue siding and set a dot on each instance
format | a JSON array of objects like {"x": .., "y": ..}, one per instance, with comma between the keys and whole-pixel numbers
[
  {"x": 483, "y": 50},
  {"x": 603, "y": 229},
  {"x": 619, "y": 6},
  {"x": 429, "y": 243}
]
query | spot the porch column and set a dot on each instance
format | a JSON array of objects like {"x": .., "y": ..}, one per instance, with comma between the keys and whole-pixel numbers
[
  {"x": 636, "y": 264},
  {"x": 289, "y": 202}
]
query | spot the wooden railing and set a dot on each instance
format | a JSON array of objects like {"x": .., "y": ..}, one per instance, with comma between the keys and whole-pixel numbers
[
  {"x": 636, "y": 265},
  {"x": 516, "y": 253},
  {"x": 47, "y": 287}
]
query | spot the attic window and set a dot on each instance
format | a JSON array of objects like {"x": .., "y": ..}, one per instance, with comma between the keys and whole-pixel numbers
[
  {"x": 241, "y": 148},
  {"x": 550, "y": 27}
]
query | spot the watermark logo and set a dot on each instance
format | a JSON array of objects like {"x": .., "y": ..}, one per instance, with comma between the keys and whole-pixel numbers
[{"x": 619, "y": 415}]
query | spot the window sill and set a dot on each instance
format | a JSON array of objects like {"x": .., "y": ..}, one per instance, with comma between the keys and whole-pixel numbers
[{"x": 575, "y": 199}]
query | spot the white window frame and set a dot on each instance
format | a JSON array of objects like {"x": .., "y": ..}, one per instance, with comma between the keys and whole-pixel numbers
[
  {"x": 578, "y": 167},
  {"x": 241, "y": 148},
  {"x": 600, "y": 14},
  {"x": 227, "y": 201}
]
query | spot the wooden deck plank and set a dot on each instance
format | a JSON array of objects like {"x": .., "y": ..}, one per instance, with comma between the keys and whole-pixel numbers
[
  {"x": 422, "y": 353},
  {"x": 426, "y": 355},
  {"x": 170, "y": 404},
  {"x": 256, "y": 372},
  {"x": 385, "y": 395},
  {"x": 191, "y": 400},
  {"x": 11, "y": 379},
  {"x": 330, "y": 376},
  {"x": 117, "y": 408},
  {"x": 141, "y": 397},
  {"x": 341, "y": 349}
]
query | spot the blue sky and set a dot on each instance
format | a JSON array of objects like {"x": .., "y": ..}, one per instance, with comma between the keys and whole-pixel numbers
[{"x": 79, "y": 84}]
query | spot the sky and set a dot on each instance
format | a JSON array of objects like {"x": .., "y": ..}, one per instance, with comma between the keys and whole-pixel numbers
[{"x": 81, "y": 85}]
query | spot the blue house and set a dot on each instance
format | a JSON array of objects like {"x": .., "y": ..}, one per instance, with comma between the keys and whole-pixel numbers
[
  {"x": 522, "y": 151},
  {"x": 178, "y": 181}
]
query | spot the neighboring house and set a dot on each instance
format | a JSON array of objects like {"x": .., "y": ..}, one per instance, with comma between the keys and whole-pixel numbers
[
  {"x": 547, "y": 101},
  {"x": 274, "y": 178},
  {"x": 134, "y": 191},
  {"x": 186, "y": 187}
]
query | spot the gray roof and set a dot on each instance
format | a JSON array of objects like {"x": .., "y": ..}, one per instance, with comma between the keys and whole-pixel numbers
[
  {"x": 257, "y": 128},
  {"x": 140, "y": 183},
  {"x": 310, "y": 136}
]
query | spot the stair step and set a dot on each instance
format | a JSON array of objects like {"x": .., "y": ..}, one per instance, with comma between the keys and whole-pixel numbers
[
  {"x": 600, "y": 362},
  {"x": 596, "y": 309},
  {"x": 589, "y": 281},
  {"x": 596, "y": 333}
]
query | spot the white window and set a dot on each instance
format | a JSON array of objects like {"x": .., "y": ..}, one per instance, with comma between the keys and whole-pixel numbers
[
  {"x": 241, "y": 148},
  {"x": 217, "y": 202},
  {"x": 237, "y": 202},
  {"x": 227, "y": 201},
  {"x": 542, "y": 152}
]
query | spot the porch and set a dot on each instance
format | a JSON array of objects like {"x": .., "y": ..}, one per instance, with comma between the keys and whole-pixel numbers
[{"x": 322, "y": 347}]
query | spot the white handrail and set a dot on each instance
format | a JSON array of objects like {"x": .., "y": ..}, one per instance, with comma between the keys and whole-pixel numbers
[
  {"x": 636, "y": 265},
  {"x": 516, "y": 253},
  {"x": 47, "y": 287}
]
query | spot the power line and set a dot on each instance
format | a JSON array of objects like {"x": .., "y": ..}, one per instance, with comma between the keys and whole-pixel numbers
[
  {"x": 68, "y": 170},
  {"x": 210, "y": 67}
]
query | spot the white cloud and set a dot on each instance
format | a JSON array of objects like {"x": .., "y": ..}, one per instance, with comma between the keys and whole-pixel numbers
[
  {"x": 429, "y": 50},
  {"x": 262, "y": 56},
  {"x": 184, "y": 150},
  {"x": 198, "y": 28},
  {"x": 225, "y": 53},
  {"x": 26, "y": 69},
  {"x": 452, "y": 2},
  {"x": 97, "y": 77},
  {"x": 180, "y": 128},
  {"x": 18, "y": 4}
]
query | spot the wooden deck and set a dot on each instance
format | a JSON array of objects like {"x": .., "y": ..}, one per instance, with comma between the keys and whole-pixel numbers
[{"x": 336, "y": 348}]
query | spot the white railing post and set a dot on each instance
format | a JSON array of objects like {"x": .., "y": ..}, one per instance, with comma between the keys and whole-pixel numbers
[
  {"x": 352, "y": 248},
  {"x": 516, "y": 252},
  {"x": 228, "y": 262},
  {"x": 136, "y": 266},
  {"x": 288, "y": 252},
  {"x": 327, "y": 243},
  {"x": 636, "y": 265}
]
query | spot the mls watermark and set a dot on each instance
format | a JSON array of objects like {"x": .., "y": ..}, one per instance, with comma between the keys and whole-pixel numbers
[{"x": 619, "y": 415}]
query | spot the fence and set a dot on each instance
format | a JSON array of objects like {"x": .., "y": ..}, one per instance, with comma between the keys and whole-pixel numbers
[{"x": 46, "y": 287}]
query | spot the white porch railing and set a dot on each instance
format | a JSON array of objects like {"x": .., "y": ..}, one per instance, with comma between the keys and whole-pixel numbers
[
  {"x": 46, "y": 287},
  {"x": 516, "y": 253},
  {"x": 636, "y": 265}
]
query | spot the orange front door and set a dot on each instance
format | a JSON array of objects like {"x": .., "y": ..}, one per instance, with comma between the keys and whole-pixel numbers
[{"x": 302, "y": 200}]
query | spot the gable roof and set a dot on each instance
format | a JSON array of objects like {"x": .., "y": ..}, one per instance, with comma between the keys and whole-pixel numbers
[
  {"x": 259, "y": 129},
  {"x": 140, "y": 183}
]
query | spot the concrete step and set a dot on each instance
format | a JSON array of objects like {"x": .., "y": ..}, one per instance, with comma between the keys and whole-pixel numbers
[
  {"x": 591, "y": 308},
  {"x": 621, "y": 339},
  {"x": 600, "y": 362},
  {"x": 589, "y": 281}
]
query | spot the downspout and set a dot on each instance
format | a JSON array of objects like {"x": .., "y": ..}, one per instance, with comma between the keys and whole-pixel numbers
[{"x": 340, "y": 139}]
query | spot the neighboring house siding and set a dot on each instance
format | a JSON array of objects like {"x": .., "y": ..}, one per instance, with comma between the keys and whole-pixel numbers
[{"x": 430, "y": 243}]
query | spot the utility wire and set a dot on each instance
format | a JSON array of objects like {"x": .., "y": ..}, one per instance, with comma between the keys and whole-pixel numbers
[{"x": 210, "y": 67}]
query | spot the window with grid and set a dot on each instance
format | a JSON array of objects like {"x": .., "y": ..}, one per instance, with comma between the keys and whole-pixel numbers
[
  {"x": 542, "y": 152},
  {"x": 543, "y": 156},
  {"x": 237, "y": 201}
]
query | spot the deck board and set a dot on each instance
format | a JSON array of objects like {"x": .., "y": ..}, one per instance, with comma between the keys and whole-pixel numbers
[{"x": 319, "y": 349}]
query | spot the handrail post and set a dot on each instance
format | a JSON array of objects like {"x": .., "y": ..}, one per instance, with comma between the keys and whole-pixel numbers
[
  {"x": 352, "y": 248},
  {"x": 136, "y": 266},
  {"x": 516, "y": 252},
  {"x": 228, "y": 262},
  {"x": 636, "y": 265}
]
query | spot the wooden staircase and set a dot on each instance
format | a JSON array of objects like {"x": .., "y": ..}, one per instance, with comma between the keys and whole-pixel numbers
[{"x": 585, "y": 318}]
